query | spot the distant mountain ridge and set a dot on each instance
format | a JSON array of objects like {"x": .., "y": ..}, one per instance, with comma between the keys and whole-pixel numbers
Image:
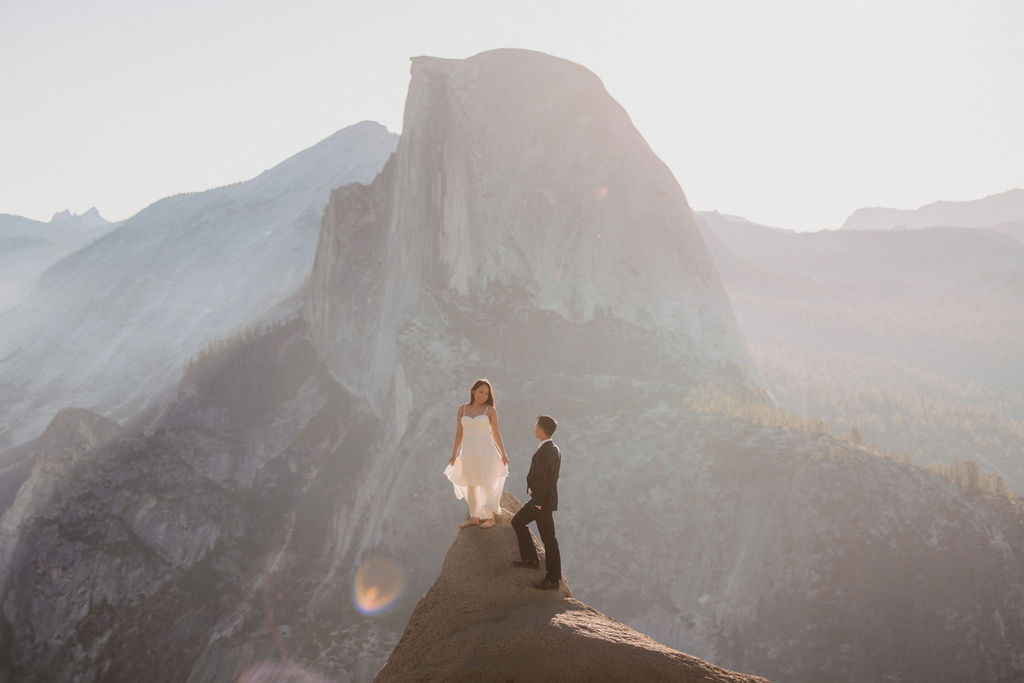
[
  {"x": 58, "y": 226},
  {"x": 28, "y": 248},
  {"x": 910, "y": 336},
  {"x": 1004, "y": 207},
  {"x": 110, "y": 327},
  {"x": 91, "y": 218},
  {"x": 934, "y": 255}
]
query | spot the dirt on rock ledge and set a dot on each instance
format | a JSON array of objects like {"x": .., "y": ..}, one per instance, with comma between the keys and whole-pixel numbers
[{"x": 483, "y": 621}]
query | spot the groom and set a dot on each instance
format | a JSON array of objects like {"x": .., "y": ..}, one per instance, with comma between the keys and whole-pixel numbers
[{"x": 542, "y": 484}]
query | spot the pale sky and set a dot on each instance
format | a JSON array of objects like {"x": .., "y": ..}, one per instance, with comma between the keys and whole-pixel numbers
[{"x": 788, "y": 113}]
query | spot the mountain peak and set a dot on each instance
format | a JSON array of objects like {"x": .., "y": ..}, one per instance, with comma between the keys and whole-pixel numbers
[
  {"x": 482, "y": 620},
  {"x": 510, "y": 61},
  {"x": 89, "y": 219},
  {"x": 366, "y": 139},
  {"x": 544, "y": 175},
  {"x": 522, "y": 194}
]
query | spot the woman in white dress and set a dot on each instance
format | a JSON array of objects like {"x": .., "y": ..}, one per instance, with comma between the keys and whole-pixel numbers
[{"x": 478, "y": 473}]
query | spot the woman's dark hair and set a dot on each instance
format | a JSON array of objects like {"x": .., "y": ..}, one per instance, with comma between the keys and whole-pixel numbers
[
  {"x": 490, "y": 391},
  {"x": 547, "y": 424}
]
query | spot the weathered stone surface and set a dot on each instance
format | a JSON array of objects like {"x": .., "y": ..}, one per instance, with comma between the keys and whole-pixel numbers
[
  {"x": 523, "y": 206},
  {"x": 482, "y": 620},
  {"x": 53, "y": 461}
]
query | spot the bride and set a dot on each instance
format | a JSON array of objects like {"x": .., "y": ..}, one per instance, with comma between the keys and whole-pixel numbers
[{"x": 479, "y": 473}]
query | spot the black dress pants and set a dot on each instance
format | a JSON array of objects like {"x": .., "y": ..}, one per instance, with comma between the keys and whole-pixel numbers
[{"x": 546, "y": 526}]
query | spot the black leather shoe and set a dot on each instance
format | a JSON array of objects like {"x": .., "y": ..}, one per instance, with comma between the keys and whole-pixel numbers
[
  {"x": 546, "y": 585},
  {"x": 528, "y": 564}
]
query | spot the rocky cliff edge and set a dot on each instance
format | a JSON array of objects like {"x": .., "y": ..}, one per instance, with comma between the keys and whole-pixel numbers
[{"x": 482, "y": 620}]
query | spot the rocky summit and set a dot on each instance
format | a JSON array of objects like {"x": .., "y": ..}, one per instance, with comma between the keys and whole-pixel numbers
[
  {"x": 521, "y": 206},
  {"x": 482, "y": 620}
]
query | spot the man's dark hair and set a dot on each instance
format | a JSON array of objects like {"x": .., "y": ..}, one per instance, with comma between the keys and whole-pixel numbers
[{"x": 547, "y": 424}]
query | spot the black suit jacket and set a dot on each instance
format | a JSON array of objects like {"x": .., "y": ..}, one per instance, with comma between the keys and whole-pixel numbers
[{"x": 542, "y": 479}]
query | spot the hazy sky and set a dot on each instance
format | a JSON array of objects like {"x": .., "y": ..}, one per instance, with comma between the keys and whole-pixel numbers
[{"x": 789, "y": 113}]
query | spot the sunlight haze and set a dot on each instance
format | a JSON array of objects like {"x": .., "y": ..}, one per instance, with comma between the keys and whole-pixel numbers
[{"x": 791, "y": 114}]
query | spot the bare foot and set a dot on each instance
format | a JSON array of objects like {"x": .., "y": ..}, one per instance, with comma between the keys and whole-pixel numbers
[
  {"x": 473, "y": 521},
  {"x": 487, "y": 524}
]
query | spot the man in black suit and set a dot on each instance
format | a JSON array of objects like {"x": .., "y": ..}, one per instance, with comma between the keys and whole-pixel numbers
[{"x": 542, "y": 484}]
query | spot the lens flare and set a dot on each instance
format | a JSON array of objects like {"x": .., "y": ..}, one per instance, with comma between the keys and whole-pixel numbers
[
  {"x": 378, "y": 584},
  {"x": 273, "y": 672}
]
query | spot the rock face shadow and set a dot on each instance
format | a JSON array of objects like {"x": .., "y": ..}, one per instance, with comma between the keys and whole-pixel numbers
[{"x": 482, "y": 620}]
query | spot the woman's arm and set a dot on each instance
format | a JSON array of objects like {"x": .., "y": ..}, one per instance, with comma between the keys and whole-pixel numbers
[
  {"x": 492, "y": 414},
  {"x": 458, "y": 436}
]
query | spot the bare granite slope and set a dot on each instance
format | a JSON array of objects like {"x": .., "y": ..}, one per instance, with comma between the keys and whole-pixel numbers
[
  {"x": 111, "y": 326},
  {"x": 521, "y": 205}
]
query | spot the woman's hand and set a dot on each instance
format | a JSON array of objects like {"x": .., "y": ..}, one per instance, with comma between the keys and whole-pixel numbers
[
  {"x": 458, "y": 436},
  {"x": 504, "y": 460}
]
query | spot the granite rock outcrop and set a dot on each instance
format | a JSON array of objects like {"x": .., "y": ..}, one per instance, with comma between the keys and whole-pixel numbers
[{"x": 482, "y": 620}]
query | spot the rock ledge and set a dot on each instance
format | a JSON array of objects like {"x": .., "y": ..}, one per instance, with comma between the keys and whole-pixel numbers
[{"x": 482, "y": 621}]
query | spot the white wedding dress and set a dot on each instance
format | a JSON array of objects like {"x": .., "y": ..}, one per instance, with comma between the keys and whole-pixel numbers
[{"x": 478, "y": 474}]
